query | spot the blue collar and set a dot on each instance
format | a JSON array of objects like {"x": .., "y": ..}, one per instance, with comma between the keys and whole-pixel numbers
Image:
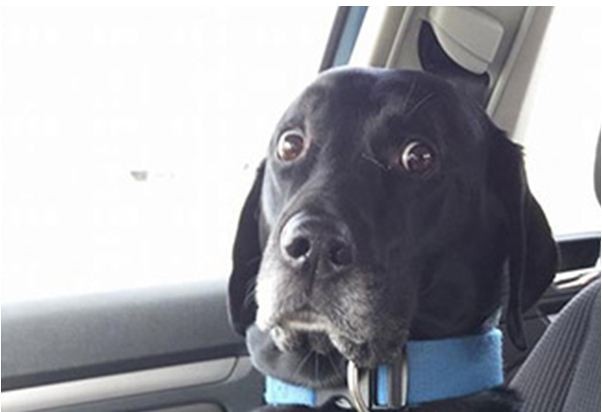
[{"x": 436, "y": 369}]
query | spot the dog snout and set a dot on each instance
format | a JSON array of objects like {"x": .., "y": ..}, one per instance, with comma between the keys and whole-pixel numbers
[{"x": 317, "y": 244}]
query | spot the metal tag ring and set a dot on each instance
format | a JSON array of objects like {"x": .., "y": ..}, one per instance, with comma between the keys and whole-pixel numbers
[{"x": 353, "y": 385}]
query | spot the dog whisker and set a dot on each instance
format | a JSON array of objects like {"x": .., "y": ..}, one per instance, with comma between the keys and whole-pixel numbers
[
  {"x": 318, "y": 145},
  {"x": 250, "y": 293},
  {"x": 301, "y": 363},
  {"x": 335, "y": 367},
  {"x": 316, "y": 367},
  {"x": 253, "y": 260},
  {"x": 420, "y": 103},
  {"x": 375, "y": 162},
  {"x": 408, "y": 96}
]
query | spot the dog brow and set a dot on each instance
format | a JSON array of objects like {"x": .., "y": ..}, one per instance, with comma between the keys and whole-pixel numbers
[
  {"x": 425, "y": 99},
  {"x": 401, "y": 107},
  {"x": 408, "y": 97}
]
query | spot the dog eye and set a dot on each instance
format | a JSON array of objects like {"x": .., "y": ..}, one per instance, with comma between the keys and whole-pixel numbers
[
  {"x": 417, "y": 157},
  {"x": 291, "y": 145}
]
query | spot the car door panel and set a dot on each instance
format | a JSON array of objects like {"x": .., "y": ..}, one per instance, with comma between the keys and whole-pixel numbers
[{"x": 122, "y": 345}]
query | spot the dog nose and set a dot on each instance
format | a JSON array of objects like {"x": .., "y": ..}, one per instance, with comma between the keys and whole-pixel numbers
[{"x": 319, "y": 243}]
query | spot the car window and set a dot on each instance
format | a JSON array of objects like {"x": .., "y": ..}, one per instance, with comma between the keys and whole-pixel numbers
[
  {"x": 560, "y": 121},
  {"x": 130, "y": 137}
]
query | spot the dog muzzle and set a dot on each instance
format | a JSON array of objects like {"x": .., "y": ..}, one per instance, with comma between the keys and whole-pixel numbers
[{"x": 428, "y": 371}]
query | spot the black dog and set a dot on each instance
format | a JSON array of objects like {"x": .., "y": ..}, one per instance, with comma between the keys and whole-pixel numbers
[{"x": 389, "y": 208}]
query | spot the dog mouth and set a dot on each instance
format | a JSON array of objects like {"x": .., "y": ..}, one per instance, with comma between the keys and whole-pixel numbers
[{"x": 306, "y": 329}]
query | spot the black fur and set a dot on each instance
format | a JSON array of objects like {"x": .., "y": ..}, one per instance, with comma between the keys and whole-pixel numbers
[{"x": 434, "y": 255}]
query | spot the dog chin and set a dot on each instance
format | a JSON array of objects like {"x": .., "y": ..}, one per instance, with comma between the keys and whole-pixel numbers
[
  {"x": 324, "y": 340},
  {"x": 368, "y": 354},
  {"x": 302, "y": 333}
]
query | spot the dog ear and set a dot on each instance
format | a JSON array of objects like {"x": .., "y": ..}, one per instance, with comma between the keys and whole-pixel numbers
[
  {"x": 246, "y": 258},
  {"x": 530, "y": 247}
]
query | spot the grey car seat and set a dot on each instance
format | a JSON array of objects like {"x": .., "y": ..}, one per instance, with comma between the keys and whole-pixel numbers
[{"x": 562, "y": 373}]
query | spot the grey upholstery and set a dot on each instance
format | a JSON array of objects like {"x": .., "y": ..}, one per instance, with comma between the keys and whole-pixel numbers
[{"x": 563, "y": 371}]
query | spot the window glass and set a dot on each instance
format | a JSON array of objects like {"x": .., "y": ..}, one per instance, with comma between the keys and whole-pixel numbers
[
  {"x": 560, "y": 120},
  {"x": 130, "y": 136}
]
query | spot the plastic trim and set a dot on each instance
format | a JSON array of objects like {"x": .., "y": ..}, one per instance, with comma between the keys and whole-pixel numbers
[
  {"x": 119, "y": 385},
  {"x": 345, "y": 30}
]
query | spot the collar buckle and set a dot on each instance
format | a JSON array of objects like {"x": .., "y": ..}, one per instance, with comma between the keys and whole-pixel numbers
[{"x": 384, "y": 388}]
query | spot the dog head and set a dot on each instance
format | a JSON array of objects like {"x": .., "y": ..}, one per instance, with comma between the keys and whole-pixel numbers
[{"x": 389, "y": 207}]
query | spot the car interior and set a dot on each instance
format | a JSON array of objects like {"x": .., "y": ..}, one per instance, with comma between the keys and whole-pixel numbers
[{"x": 170, "y": 348}]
